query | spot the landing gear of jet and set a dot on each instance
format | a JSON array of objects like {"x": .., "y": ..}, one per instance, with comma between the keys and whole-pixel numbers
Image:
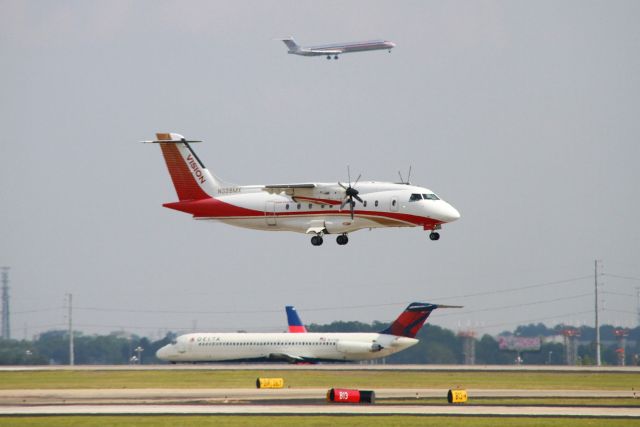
[
  {"x": 316, "y": 240},
  {"x": 342, "y": 239},
  {"x": 328, "y": 56},
  {"x": 335, "y": 57},
  {"x": 434, "y": 235}
]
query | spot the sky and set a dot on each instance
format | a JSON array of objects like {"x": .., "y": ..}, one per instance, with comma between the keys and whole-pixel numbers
[{"x": 522, "y": 115}]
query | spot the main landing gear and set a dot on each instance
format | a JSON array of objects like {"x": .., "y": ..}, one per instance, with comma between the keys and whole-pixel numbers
[
  {"x": 342, "y": 239},
  {"x": 329, "y": 57},
  {"x": 434, "y": 235}
]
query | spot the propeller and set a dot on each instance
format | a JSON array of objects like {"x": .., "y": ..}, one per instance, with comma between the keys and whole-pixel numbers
[{"x": 350, "y": 193}]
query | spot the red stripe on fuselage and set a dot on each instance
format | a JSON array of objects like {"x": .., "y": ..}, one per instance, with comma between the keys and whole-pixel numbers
[{"x": 216, "y": 209}]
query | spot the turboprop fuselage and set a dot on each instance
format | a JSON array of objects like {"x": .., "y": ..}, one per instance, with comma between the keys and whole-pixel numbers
[{"x": 313, "y": 208}]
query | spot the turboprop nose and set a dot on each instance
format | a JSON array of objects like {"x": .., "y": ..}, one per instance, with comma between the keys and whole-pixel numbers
[{"x": 447, "y": 213}]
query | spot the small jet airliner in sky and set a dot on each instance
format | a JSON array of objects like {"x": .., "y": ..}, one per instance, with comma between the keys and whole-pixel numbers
[
  {"x": 301, "y": 346},
  {"x": 313, "y": 208},
  {"x": 336, "y": 49}
]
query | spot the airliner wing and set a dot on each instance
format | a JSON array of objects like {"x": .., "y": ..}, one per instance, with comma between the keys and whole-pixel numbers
[
  {"x": 327, "y": 51},
  {"x": 288, "y": 357}
]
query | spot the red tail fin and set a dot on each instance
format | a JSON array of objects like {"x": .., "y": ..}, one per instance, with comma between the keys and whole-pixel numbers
[{"x": 183, "y": 179}]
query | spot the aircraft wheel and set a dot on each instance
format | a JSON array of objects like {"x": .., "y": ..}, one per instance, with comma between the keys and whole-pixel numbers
[
  {"x": 316, "y": 240},
  {"x": 335, "y": 57},
  {"x": 328, "y": 56},
  {"x": 434, "y": 235},
  {"x": 342, "y": 239}
]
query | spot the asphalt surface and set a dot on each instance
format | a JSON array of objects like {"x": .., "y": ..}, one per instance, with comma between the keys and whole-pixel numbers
[{"x": 330, "y": 367}]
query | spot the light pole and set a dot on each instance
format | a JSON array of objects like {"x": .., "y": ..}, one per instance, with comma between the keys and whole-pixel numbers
[{"x": 139, "y": 351}]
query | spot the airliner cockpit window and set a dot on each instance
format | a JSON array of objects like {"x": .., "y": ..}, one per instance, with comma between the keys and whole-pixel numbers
[
  {"x": 415, "y": 196},
  {"x": 431, "y": 196}
]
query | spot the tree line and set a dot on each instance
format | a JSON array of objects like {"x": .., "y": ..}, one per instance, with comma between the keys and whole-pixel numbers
[{"x": 437, "y": 346}]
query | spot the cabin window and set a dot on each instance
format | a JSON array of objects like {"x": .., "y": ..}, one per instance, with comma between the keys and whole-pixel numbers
[
  {"x": 376, "y": 203},
  {"x": 393, "y": 203},
  {"x": 415, "y": 196},
  {"x": 310, "y": 205},
  {"x": 322, "y": 206},
  {"x": 287, "y": 207},
  {"x": 431, "y": 196},
  {"x": 299, "y": 206},
  {"x": 364, "y": 203}
]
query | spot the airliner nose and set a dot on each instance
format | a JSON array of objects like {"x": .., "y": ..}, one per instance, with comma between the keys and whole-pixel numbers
[{"x": 162, "y": 353}]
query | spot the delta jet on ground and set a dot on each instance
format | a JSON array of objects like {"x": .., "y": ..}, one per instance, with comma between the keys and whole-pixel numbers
[
  {"x": 302, "y": 346},
  {"x": 336, "y": 49},
  {"x": 313, "y": 208}
]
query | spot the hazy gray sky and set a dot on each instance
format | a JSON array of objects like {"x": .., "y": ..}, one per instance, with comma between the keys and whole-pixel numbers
[{"x": 523, "y": 115}]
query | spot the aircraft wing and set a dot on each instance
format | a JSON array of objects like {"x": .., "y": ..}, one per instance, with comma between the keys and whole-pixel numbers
[
  {"x": 309, "y": 192},
  {"x": 288, "y": 357},
  {"x": 327, "y": 51}
]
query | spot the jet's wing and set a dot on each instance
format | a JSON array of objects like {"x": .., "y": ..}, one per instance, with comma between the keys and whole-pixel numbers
[
  {"x": 327, "y": 51},
  {"x": 287, "y": 357}
]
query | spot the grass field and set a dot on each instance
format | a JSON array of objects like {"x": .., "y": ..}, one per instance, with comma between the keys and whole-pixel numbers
[
  {"x": 291, "y": 421},
  {"x": 313, "y": 378}
]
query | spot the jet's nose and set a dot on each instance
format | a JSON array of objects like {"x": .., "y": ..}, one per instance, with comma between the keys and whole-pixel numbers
[
  {"x": 391, "y": 45},
  {"x": 163, "y": 353}
]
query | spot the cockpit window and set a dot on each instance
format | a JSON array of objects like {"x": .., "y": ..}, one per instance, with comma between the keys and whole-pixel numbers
[
  {"x": 431, "y": 196},
  {"x": 415, "y": 196}
]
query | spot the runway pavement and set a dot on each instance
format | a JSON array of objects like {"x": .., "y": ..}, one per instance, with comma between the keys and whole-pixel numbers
[
  {"x": 322, "y": 409},
  {"x": 329, "y": 367},
  {"x": 286, "y": 395}
]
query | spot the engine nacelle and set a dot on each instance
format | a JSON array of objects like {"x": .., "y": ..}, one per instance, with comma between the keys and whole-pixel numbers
[{"x": 355, "y": 347}]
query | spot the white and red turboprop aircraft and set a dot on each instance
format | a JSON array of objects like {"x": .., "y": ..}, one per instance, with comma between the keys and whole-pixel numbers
[{"x": 312, "y": 208}]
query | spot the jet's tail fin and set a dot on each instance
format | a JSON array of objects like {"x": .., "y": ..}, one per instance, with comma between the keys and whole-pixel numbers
[
  {"x": 191, "y": 179},
  {"x": 412, "y": 318},
  {"x": 291, "y": 44},
  {"x": 295, "y": 324}
]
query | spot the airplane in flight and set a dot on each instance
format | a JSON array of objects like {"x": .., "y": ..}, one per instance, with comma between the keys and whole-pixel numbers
[
  {"x": 302, "y": 346},
  {"x": 312, "y": 208},
  {"x": 336, "y": 49}
]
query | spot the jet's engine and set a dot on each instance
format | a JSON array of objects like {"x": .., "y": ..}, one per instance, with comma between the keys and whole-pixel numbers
[{"x": 351, "y": 347}]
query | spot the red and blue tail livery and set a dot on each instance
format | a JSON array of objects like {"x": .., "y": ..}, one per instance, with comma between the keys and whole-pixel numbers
[
  {"x": 295, "y": 324},
  {"x": 412, "y": 318}
]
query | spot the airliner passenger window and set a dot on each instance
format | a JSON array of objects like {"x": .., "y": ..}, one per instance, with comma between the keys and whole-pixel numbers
[
  {"x": 310, "y": 205},
  {"x": 376, "y": 203},
  {"x": 415, "y": 197},
  {"x": 431, "y": 196},
  {"x": 365, "y": 204}
]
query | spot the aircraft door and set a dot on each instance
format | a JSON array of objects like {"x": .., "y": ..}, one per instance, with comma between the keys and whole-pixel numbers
[
  {"x": 270, "y": 213},
  {"x": 181, "y": 347},
  {"x": 393, "y": 206}
]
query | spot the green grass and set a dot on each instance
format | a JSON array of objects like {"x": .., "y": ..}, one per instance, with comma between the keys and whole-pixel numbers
[
  {"x": 294, "y": 421},
  {"x": 313, "y": 378}
]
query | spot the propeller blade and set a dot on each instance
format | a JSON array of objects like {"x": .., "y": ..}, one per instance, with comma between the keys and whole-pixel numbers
[
  {"x": 340, "y": 184},
  {"x": 344, "y": 203},
  {"x": 352, "y": 205},
  {"x": 355, "y": 196},
  {"x": 356, "y": 183}
]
